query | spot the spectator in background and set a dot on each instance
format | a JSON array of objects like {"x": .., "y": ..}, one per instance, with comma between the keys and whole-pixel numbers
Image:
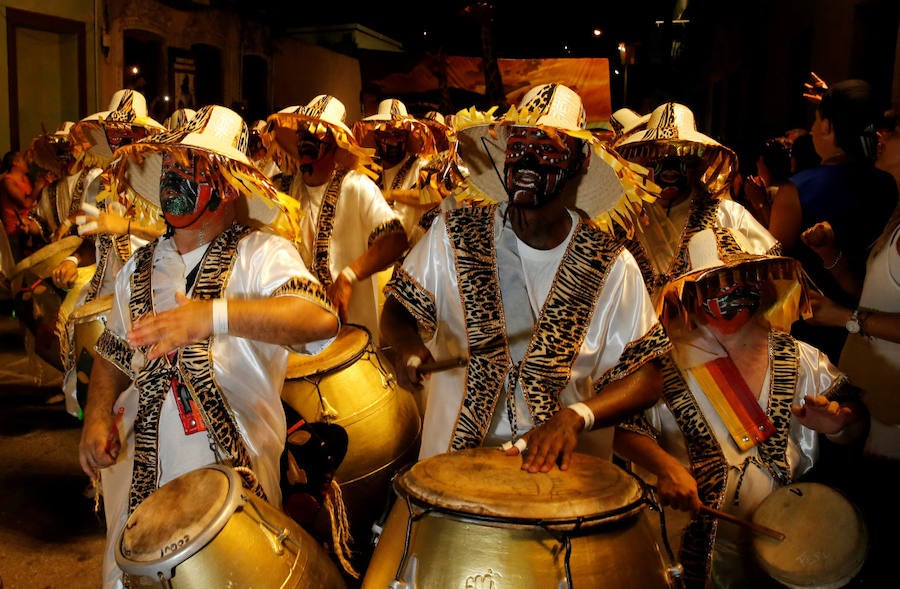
[
  {"x": 773, "y": 168},
  {"x": 846, "y": 190},
  {"x": 18, "y": 196},
  {"x": 803, "y": 153}
]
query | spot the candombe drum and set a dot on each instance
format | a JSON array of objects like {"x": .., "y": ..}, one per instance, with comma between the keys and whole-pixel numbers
[
  {"x": 348, "y": 384},
  {"x": 474, "y": 518},
  {"x": 38, "y": 301},
  {"x": 85, "y": 325},
  {"x": 203, "y": 529},
  {"x": 825, "y": 537}
]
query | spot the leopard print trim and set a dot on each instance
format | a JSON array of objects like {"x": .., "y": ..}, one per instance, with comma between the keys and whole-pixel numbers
[
  {"x": 193, "y": 367},
  {"x": 565, "y": 317},
  {"x": 117, "y": 350},
  {"x": 308, "y": 290},
  {"x": 784, "y": 357},
  {"x": 429, "y": 216},
  {"x": 639, "y": 424},
  {"x": 321, "y": 265},
  {"x": 105, "y": 247},
  {"x": 391, "y": 227},
  {"x": 652, "y": 345},
  {"x": 471, "y": 231},
  {"x": 416, "y": 299},
  {"x": 702, "y": 215},
  {"x": 403, "y": 172},
  {"x": 78, "y": 191},
  {"x": 709, "y": 467},
  {"x": 775, "y": 250}
]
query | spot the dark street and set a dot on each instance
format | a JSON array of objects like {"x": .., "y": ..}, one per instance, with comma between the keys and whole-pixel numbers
[{"x": 49, "y": 534}]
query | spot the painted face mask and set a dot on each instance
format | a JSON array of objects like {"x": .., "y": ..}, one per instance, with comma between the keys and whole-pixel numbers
[
  {"x": 671, "y": 175},
  {"x": 310, "y": 149},
  {"x": 182, "y": 197},
  {"x": 537, "y": 166},
  {"x": 391, "y": 145},
  {"x": 730, "y": 307}
]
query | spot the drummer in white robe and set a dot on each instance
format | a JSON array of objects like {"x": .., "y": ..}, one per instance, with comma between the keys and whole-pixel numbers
[
  {"x": 204, "y": 318},
  {"x": 550, "y": 311},
  {"x": 741, "y": 406}
]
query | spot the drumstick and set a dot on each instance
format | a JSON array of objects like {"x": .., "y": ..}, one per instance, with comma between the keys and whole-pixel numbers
[
  {"x": 439, "y": 365},
  {"x": 752, "y": 526}
]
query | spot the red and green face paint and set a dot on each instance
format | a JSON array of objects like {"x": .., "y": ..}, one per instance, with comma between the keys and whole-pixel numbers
[{"x": 184, "y": 193}]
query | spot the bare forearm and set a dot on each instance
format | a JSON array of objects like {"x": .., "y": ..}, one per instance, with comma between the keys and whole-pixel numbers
[
  {"x": 107, "y": 383},
  {"x": 285, "y": 320},
  {"x": 626, "y": 396},
  {"x": 382, "y": 253},
  {"x": 643, "y": 451}
]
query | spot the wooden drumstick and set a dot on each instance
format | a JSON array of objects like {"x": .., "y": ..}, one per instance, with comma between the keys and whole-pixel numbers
[
  {"x": 752, "y": 526},
  {"x": 439, "y": 365}
]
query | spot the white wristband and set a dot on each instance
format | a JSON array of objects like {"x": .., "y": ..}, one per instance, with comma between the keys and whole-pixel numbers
[
  {"x": 71, "y": 259},
  {"x": 350, "y": 275},
  {"x": 220, "y": 316},
  {"x": 586, "y": 414}
]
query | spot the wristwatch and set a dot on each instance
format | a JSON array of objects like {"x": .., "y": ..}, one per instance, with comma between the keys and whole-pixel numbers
[{"x": 852, "y": 324}]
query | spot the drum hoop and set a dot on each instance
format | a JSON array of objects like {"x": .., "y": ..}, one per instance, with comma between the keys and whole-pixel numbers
[
  {"x": 166, "y": 566},
  {"x": 97, "y": 308},
  {"x": 312, "y": 376},
  {"x": 573, "y": 524}
]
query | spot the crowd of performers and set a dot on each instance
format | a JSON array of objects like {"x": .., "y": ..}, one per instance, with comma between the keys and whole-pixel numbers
[{"x": 534, "y": 287}]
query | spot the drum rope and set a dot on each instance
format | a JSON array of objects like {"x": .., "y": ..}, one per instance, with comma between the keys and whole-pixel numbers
[{"x": 340, "y": 527}]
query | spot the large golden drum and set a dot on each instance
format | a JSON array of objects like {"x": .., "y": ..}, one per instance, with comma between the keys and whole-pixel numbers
[
  {"x": 87, "y": 323},
  {"x": 204, "y": 529},
  {"x": 474, "y": 518},
  {"x": 348, "y": 384}
]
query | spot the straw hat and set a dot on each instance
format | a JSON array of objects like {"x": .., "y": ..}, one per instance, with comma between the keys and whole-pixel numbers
[
  {"x": 625, "y": 121},
  {"x": 97, "y": 136},
  {"x": 672, "y": 131},
  {"x": 178, "y": 118},
  {"x": 786, "y": 299},
  {"x": 324, "y": 114},
  {"x": 392, "y": 114},
  {"x": 609, "y": 188},
  {"x": 218, "y": 135}
]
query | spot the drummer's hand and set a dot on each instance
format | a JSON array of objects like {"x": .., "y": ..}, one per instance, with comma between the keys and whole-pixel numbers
[
  {"x": 677, "y": 488},
  {"x": 65, "y": 274},
  {"x": 552, "y": 443},
  {"x": 100, "y": 444},
  {"x": 107, "y": 222},
  {"x": 339, "y": 293},
  {"x": 189, "y": 322},
  {"x": 407, "y": 368},
  {"x": 823, "y": 415}
]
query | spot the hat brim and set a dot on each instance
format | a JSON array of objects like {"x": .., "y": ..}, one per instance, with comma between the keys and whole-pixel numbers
[
  {"x": 610, "y": 190},
  {"x": 719, "y": 162},
  {"x": 90, "y": 144},
  {"x": 420, "y": 141},
  {"x": 134, "y": 178},
  {"x": 789, "y": 299},
  {"x": 280, "y": 139}
]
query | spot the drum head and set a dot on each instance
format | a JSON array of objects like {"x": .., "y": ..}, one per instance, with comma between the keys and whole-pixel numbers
[
  {"x": 91, "y": 310},
  {"x": 346, "y": 348},
  {"x": 42, "y": 262},
  {"x": 811, "y": 555},
  {"x": 486, "y": 482},
  {"x": 178, "y": 519}
]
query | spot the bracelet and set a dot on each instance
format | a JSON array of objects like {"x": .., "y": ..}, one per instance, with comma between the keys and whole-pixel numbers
[
  {"x": 220, "y": 316},
  {"x": 71, "y": 259},
  {"x": 586, "y": 414},
  {"x": 350, "y": 275},
  {"x": 837, "y": 259}
]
